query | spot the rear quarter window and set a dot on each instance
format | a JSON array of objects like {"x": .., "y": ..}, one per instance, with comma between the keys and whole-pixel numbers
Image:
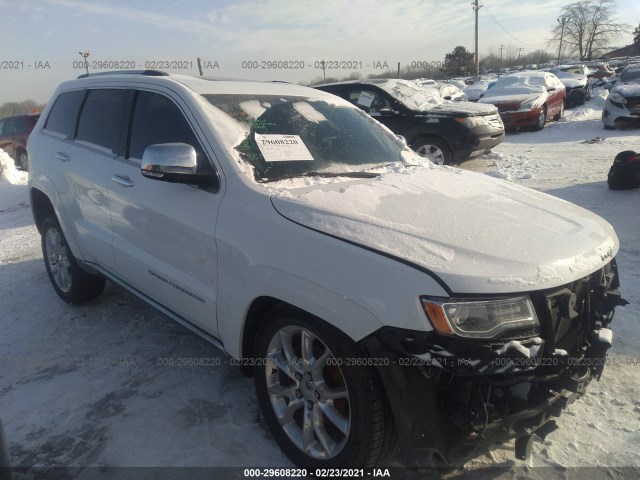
[{"x": 64, "y": 113}]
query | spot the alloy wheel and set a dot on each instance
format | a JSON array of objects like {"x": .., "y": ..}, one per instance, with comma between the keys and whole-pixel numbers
[
  {"x": 58, "y": 259},
  {"x": 308, "y": 392},
  {"x": 432, "y": 152}
]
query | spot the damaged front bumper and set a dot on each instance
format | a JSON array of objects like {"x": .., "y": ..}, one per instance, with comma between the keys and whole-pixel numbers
[{"x": 450, "y": 395}]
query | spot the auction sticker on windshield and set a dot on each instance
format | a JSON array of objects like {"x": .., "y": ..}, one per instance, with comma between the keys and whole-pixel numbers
[
  {"x": 282, "y": 148},
  {"x": 366, "y": 99}
]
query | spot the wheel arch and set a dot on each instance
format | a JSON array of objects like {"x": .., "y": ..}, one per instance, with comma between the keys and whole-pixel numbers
[
  {"x": 255, "y": 315},
  {"x": 428, "y": 135},
  {"x": 41, "y": 207}
]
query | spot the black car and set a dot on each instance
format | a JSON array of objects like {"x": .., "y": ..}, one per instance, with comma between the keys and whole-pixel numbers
[
  {"x": 578, "y": 82},
  {"x": 446, "y": 132},
  {"x": 14, "y": 132}
]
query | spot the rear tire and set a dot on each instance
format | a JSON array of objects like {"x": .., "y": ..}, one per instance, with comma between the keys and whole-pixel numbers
[
  {"x": 322, "y": 412},
  {"x": 70, "y": 282},
  {"x": 23, "y": 160}
]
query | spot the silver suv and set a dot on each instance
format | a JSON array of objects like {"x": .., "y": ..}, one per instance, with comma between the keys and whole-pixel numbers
[{"x": 374, "y": 297}]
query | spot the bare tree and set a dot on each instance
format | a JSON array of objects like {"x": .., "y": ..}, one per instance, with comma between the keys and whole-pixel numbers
[
  {"x": 18, "y": 108},
  {"x": 588, "y": 28}
]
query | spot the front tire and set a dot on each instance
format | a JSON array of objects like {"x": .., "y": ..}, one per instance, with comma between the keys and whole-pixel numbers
[
  {"x": 542, "y": 119},
  {"x": 70, "y": 282},
  {"x": 323, "y": 411},
  {"x": 561, "y": 113},
  {"x": 434, "y": 149}
]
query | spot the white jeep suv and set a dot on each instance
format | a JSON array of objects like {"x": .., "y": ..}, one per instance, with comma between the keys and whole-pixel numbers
[{"x": 375, "y": 298}]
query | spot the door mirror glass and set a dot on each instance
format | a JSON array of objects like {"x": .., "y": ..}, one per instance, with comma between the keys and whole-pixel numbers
[{"x": 173, "y": 162}]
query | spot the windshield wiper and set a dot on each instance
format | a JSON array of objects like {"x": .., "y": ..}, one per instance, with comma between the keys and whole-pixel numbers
[{"x": 325, "y": 175}]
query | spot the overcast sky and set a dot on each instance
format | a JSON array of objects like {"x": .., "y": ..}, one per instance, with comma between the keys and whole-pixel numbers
[{"x": 50, "y": 33}]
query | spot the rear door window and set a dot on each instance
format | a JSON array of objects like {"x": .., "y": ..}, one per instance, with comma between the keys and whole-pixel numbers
[
  {"x": 64, "y": 113},
  {"x": 101, "y": 119}
]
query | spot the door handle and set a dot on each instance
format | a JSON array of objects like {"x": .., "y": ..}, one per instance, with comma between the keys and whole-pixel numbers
[
  {"x": 122, "y": 180},
  {"x": 63, "y": 156}
]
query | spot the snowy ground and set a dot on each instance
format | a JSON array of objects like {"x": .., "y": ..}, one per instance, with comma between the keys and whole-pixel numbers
[{"x": 89, "y": 386}]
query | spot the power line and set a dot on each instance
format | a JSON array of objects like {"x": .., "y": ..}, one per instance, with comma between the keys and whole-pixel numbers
[{"x": 508, "y": 32}]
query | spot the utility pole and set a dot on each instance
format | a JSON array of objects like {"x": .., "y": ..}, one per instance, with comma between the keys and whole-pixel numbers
[
  {"x": 85, "y": 54},
  {"x": 519, "y": 50},
  {"x": 561, "y": 20},
  {"x": 502, "y": 47},
  {"x": 476, "y": 7}
]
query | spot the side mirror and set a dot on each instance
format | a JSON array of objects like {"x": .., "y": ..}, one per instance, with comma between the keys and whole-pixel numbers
[
  {"x": 403, "y": 139},
  {"x": 175, "y": 163},
  {"x": 387, "y": 112}
]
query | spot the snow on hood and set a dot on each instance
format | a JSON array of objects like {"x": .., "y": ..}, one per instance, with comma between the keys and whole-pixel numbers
[
  {"x": 464, "y": 108},
  {"x": 627, "y": 89},
  {"x": 573, "y": 81},
  {"x": 477, "y": 233},
  {"x": 514, "y": 99}
]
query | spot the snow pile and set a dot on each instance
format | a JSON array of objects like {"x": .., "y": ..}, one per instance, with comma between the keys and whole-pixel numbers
[
  {"x": 9, "y": 171},
  {"x": 13, "y": 191}
]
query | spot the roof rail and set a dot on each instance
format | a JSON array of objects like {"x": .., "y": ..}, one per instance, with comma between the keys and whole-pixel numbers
[{"x": 148, "y": 73}]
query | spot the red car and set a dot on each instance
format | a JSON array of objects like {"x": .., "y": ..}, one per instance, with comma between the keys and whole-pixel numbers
[
  {"x": 527, "y": 99},
  {"x": 14, "y": 132}
]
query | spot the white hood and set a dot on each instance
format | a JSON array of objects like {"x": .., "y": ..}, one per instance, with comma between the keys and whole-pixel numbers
[
  {"x": 627, "y": 89},
  {"x": 476, "y": 233}
]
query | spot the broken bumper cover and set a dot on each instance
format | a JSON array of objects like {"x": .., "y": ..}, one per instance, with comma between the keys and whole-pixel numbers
[
  {"x": 450, "y": 395},
  {"x": 453, "y": 403}
]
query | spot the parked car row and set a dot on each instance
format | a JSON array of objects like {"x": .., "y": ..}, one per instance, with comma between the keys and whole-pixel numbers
[{"x": 445, "y": 132}]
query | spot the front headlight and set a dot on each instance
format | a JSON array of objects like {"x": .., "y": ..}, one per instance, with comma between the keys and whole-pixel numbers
[
  {"x": 480, "y": 319},
  {"x": 472, "y": 122},
  {"x": 531, "y": 104},
  {"x": 615, "y": 97}
]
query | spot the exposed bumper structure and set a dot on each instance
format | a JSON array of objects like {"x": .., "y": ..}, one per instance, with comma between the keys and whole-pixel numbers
[
  {"x": 450, "y": 396},
  {"x": 618, "y": 115},
  {"x": 517, "y": 119}
]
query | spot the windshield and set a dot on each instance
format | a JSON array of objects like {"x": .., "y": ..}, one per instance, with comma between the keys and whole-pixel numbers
[
  {"x": 567, "y": 73},
  {"x": 630, "y": 75},
  {"x": 577, "y": 70},
  {"x": 288, "y": 136},
  {"x": 517, "y": 85},
  {"x": 410, "y": 95}
]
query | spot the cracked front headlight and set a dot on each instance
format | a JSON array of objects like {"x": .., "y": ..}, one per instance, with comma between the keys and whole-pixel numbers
[{"x": 480, "y": 318}]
